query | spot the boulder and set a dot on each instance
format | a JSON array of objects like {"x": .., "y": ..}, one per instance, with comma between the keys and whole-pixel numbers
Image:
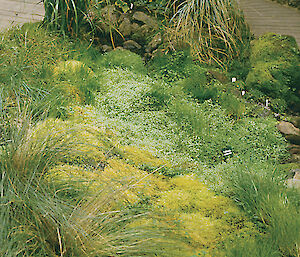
[
  {"x": 294, "y": 149},
  {"x": 126, "y": 27},
  {"x": 135, "y": 27},
  {"x": 288, "y": 128},
  {"x": 142, "y": 17},
  {"x": 110, "y": 14},
  {"x": 295, "y": 181},
  {"x": 142, "y": 33},
  {"x": 154, "y": 43},
  {"x": 296, "y": 121},
  {"x": 131, "y": 45},
  {"x": 106, "y": 48}
]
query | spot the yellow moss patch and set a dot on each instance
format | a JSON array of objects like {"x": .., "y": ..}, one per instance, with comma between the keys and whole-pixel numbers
[
  {"x": 203, "y": 218},
  {"x": 71, "y": 66},
  {"x": 142, "y": 158}
]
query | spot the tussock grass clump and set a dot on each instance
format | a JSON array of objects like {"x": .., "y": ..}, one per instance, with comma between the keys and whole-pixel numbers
[
  {"x": 41, "y": 216},
  {"x": 215, "y": 30},
  {"x": 261, "y": 192},
  {"x": 66, "y": 16}
]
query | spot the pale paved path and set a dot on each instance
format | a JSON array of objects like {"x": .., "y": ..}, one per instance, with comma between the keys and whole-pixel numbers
[
  {"x": 14, "y": 12},
  {"x": 267, "y": 16}
]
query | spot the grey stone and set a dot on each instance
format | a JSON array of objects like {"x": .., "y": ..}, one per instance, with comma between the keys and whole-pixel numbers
[
  {"x": 142, "y": 17},
  {"x": 288, "y": 128},
  {"x": 295, "y": 181},
  {"x": 110, "y": 14},
  {"x": 125, "y": 27},
  {"x": 106, "y": 48},
  {"x": 154, "y": 43},
  {"x": 131, "y": 45}
]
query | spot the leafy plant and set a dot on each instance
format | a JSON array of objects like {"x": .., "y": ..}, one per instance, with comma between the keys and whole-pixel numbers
[
  {"x": 174, "y": 66},
  {"x": 124, "y": 59}
]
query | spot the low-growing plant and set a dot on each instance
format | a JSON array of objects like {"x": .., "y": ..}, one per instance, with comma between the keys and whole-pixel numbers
[
  {"x": 275, "y": 69},
  {"x": 174, "y": 66},
  {"x": 123, "y": 59}
]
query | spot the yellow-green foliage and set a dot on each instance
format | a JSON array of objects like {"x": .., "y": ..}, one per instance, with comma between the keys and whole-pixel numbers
[
  {"x": 75, "y": 81},
  {"x": 204, "y": 218},
  {"x": 185, "y": 206},
  {"x": 71, "y": 67}
]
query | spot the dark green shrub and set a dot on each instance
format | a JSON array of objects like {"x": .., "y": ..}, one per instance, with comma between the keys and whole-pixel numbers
[
  {"x": 174, "y": 66},
  {"x": 196, "y": 86},
  {"x": 275, "y": 67},
  {"x": 124, "y": 59}
]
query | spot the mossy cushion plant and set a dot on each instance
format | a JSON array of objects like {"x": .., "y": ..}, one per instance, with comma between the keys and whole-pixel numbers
[{"x": 275, "y": 71}]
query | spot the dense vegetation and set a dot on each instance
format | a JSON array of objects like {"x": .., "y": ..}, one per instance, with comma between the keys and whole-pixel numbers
[
  {"x": 293, "y": 3},
  {"x": 106, "y": 155}
]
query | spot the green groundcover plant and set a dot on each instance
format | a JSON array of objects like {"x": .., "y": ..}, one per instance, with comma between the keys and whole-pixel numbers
[{"x": 98, "y": 158}]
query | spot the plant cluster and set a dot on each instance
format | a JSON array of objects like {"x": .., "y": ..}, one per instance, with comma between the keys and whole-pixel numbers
[
  {"x": 215, "y": 30},
  {"x": 275, "y": 71},
  {"x": 97, "y": 158},
  {"x": 293, "y": 3}
]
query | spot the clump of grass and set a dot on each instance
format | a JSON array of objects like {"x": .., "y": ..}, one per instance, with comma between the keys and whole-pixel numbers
[
  {"x": 41, "y": 217},
  {"x": 66, "y": 16},
  {"x": 215, "y": 30},
  {"x": 124, "y": 59},
  {"x": 274, "y": 207}
]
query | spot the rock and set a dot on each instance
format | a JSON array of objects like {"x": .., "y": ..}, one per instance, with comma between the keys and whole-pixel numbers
[
  {"x": 295, "y": 158},
  {"x": 142, "y": 17},
  {"x": 119, "y": 48},
  {"x": 294, "y": 139},
  {"x": 288, "y": 128},
  {"x": 106, "y": 48},
  {"x": 154, "y": 43},
  {"x": 125, "y": 27},
  {"x": 135, "y": 27},
  {"x": 141, "y": 33},
  {"x": 296, "y": 121},
  {"x": 110, "y": 14},
  {"x": 295, "y": 181},
  {"x": 131, "y": 45},
  {"x": 294, "y": 149}
]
